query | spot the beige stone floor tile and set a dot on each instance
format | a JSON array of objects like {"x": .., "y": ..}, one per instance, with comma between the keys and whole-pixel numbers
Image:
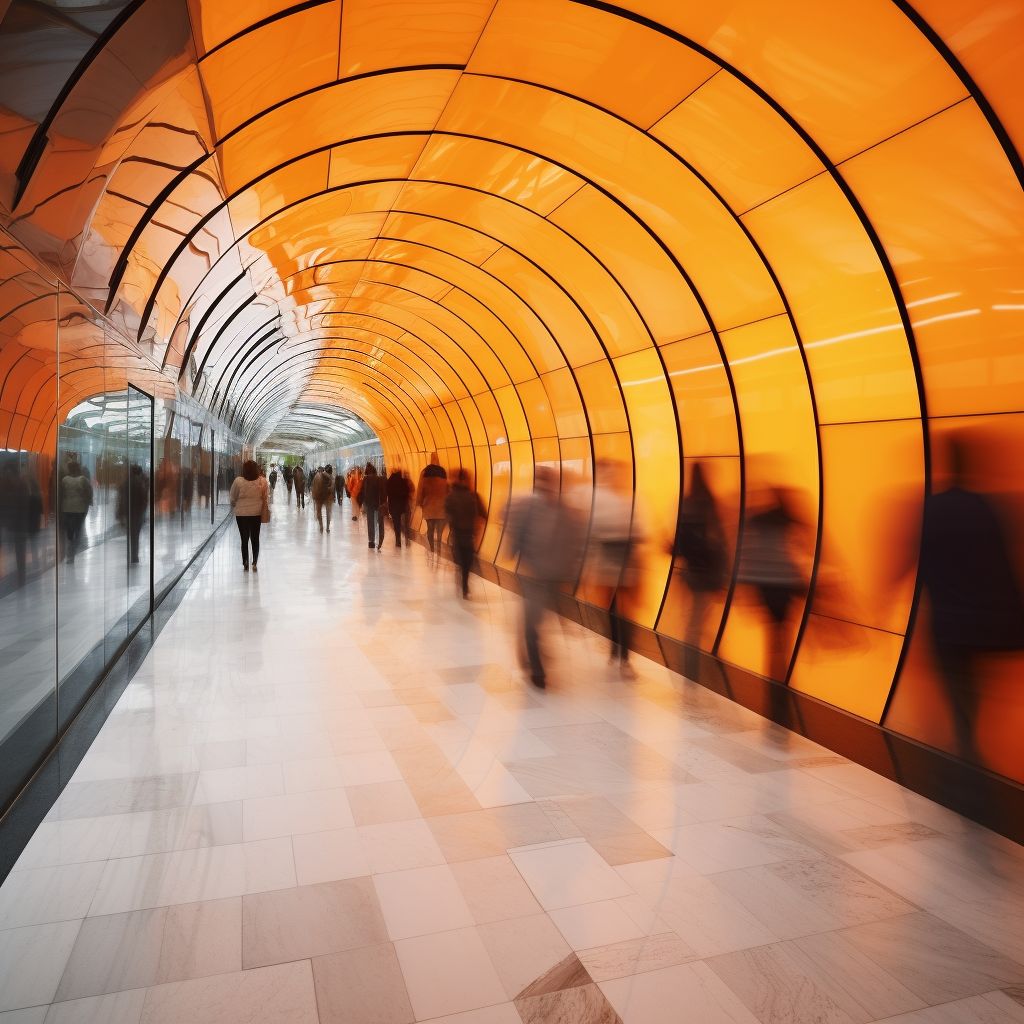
[
  {"x": 448, "y": 973},
  {"x": 523, "y": 950},
  {"x": 399, "y": 846},
  {"x": 494, "y": 890},
  {"x": 115, "y": 1008},
  {"x": 361, "y": 986},
  {"x": 149, "y": 947},
  {"x": 310, "y": 920},
  {"x": 635, "y": 956},
  {"x": 282, "y": 994},
  {"x": 329, "y": 856},
  {"x": 421, "y": 901},
  {"x": 492, "y": 831},
  {"x": 32, "y": 960},
  {"x": 378, "y": 802},
  {"x": 568, "y": 873},
  {"x": 585, "y": 1004},
  {"x": 595, "y": 924}
]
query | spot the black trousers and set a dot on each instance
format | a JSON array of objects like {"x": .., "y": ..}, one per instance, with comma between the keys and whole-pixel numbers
[
  {"x": 249, "y": 532},
  {"x": 462, "y": 544},
  {"x": 435, "y": 528}
]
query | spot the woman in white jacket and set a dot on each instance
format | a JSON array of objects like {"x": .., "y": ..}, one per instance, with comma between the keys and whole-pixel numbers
[{"x": 248, "y": 496}]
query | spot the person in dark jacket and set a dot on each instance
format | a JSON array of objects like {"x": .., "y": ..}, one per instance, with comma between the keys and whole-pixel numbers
[
  {"x": 371, "y": 496},
  {"x": 287, "y": 473},
  {"x": 398, "y": 502},
  {"x": 299, "y": 479},
  {"x": 974, "y": 594},
  {"x": 465, "y": 511},
  {"x": 339, "y": 487},
  {"x": 700, "y": 546},
  {"x": 132, "y": 503}
]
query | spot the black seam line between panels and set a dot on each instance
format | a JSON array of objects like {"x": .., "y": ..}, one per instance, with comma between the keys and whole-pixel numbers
[
  {"x": 165, "y": 193},
  {"x": 883, "y": 257},
  {"x": 228, "y": 320},
  {"x": 37, "y": 144},
  {"x": 264, "y": 22},
  {"x": 979, "y": 97}
]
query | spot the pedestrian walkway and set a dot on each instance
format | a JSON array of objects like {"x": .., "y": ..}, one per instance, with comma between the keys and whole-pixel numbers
[{"x": 328, "y": 795}]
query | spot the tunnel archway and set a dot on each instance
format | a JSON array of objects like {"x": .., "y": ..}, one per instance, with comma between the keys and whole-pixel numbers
[{"x": 784, "y": 245}]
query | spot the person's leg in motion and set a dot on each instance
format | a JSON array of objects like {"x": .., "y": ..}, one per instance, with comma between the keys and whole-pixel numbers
[
  {"x": 464, "y": 556},
  {"x": 371, "y": 522},
  {"x": 329, "y": 509},
  {"x": 380, "y": 528},
  {"x": 533, "y": 614},
  {"x": 243, "y": 534},
  {"x": 320, "y": 514},
  {"x": 254, "y": 537},
  {"x": 396, "y": 523},
  {"x": 430, "y": 534}
]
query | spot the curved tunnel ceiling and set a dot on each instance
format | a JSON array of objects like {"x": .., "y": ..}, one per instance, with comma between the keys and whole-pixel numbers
[{"x": 783, "y": 239}]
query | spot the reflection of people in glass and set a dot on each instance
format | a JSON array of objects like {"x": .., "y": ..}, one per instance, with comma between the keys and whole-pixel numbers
[
  {"x": 769, "y": 563},
  {"x": 700, "y": 543},
  {"x": 132, "y": 501},
  {"x": 166, "y": 486},
  {"x": 14, "y": 515},
  {"x": 546, "y": 534},
  {"x": 614, "y": 530},
  {"x": 465, "y": 510},
  {"x": 976, "y": 602},
  {"x": 249, "y": 493},
  {"x": 75, "y": 501}
]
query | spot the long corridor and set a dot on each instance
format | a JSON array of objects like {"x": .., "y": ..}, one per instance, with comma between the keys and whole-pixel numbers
[{"x": 329, "y": 795}]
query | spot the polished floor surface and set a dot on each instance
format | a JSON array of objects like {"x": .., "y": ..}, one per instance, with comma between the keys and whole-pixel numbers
[{"x": 329, "y": 796}]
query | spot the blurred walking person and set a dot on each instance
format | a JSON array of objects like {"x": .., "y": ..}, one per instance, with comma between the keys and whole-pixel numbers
[
  {"x": 339, "y": 488},
  {"x": 430, "y": 497},
  {"x": 75, "y": 501},
  {"x": 615, "y": 530},
  {"x": 322, "y": 492},
  {"x": 288, "y": 474},
  {"x": 132, "y": 503},
  {"x": 249, "y": 496},
  {"x": 371, "y": 496},
  {"x": 354, "y": 484},
  {"x": 299, "y": 480},
  {"x": 466, "y": 513},
  {"x": 273, "y": 481},
  {"x": 398, "y": 491},
  {"x": 700, "y": 544},
  {"x": 546, "y": 535}
]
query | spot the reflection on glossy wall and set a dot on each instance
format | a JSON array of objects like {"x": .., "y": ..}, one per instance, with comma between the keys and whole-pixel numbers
[
  {"x": 83, "y": 548},
  {"x": 763, "y": 264}
]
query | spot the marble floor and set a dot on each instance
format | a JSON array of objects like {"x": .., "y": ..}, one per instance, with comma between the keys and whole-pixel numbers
[{"x": 329, "y": 796}]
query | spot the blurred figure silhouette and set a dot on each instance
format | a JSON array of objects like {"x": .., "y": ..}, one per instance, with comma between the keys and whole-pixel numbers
[
  {"x": 75, "y": 500},
  {"x": 700, "y": 544},
  {"x": 546, "y": 535},
  {"x": 371, "y": 497},
  {"x": 132, "y": 500},
  {"x": 966, "y": 568},
  {"x": 399, "y": 495},
  {"x": 299, "y": 481},
  {"x": 431, "y": 493},
  {"x": 354, "y": 484},
  {"x": 288, "y": 473},
  {"x": 769, "y": 564},
  {"x": 466, "y": 513},
  {"x": 272, "y": 480},
  {"x": 322, "y": 492},
  {"x": 339, "y": 488},
  {"x": 14, "y": 516},
  {"x": 614, "y": 528}
]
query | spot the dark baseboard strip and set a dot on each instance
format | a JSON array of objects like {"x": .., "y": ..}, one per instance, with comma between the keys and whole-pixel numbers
[
  {"x": 39, "y": 794},
  {"x": 988, "y": 799}
]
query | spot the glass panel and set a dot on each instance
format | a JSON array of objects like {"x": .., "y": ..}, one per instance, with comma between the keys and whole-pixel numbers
[
  {"x": 28, "y": 521},
  {"x": 136, "y": 500}
]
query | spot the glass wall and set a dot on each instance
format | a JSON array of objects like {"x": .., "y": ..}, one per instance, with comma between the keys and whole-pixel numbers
[{"x": 92, "y": 466}]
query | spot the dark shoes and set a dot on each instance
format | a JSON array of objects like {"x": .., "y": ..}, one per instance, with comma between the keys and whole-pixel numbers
[
  {"x": 371, "y": 545},
  {"x": 539, "y": 682}
]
